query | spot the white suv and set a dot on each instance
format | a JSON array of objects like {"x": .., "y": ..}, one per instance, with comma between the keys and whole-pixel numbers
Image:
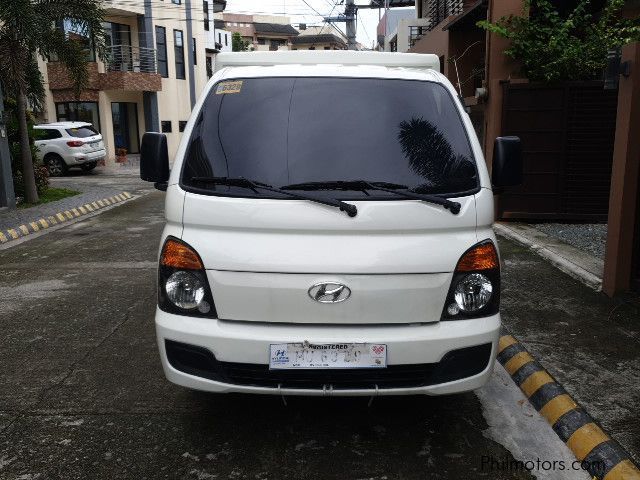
[{"x": 63, "y": 145}]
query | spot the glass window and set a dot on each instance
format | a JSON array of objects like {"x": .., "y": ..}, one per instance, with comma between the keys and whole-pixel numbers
[
  {"x": 179, "y": 54},
  {"x": 46, "y": 134},
  {"x": 193, "y": 49},
  {"x": 177, "y": 2},
  {"x": 226, "y": 40},
  {"x": 78, "y": 112},
  {"x": 82, "y": 132},
  {"x": 209, "y": 64},
  {"x": 205, "y": 10},
  {"x": 165, "y": 126},
  {"x": 292, "y": 130},
  {"x": 181, "y": 125},
  {"x": 161, "y": 48},
  {"x": 79, "y": 32}
]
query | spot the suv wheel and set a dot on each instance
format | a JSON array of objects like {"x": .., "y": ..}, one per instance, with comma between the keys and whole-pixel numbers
[{"x": 55, "y": 165}]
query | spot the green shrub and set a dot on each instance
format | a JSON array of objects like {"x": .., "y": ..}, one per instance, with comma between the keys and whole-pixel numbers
[{"x": 554, "y": 47}]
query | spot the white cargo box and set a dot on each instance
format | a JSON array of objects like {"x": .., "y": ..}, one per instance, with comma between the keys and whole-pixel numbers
[{"x": 335, "y": 57}]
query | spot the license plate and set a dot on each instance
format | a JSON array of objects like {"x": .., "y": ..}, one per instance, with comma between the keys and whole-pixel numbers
[
  {"x": 94, "y": 145},
  {"x": 286, "y": 356}
]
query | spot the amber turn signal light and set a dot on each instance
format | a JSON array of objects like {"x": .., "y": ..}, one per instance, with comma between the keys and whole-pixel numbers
[
  {"x": 480, "y": 257},
  {"x": 179, "y": 255}
]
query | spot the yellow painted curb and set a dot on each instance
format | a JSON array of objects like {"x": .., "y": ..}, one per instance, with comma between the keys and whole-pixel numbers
[
  {"x": 60, "y": 217},
  {"x": 572, "y": 424}
]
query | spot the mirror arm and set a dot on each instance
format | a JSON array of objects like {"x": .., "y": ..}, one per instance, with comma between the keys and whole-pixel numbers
[{"x": 162, "y": 186}]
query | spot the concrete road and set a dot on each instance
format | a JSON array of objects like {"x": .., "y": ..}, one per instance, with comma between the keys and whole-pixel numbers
[{"x": 83, "y": 396}]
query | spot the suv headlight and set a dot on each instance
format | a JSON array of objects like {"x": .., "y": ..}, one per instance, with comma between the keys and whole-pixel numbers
[
  {"x": 182, "y": 281},
  {"x": 475, "y": 288}
]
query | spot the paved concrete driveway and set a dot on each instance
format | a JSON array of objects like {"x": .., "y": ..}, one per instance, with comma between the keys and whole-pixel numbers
[{"x": 82, "y": 393}]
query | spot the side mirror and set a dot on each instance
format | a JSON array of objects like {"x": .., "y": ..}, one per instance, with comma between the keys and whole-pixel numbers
[
  {"x": 154, "y": 159},
  {"x": 507, "y": 162}
]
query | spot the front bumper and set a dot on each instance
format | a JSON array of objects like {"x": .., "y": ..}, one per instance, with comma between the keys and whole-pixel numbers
[{"x": 234, "y": 342}]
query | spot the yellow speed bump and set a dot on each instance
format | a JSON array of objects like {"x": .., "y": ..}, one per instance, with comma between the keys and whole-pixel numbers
[
  {"x": 625, "y": 470},
  {"x": 585, "y": 439},
  {"x": 506, "y": 341},
  {"x": 518, "y": 360},
  {"x": 556, "y": 407},
  {"x": 534, "y": 382}
]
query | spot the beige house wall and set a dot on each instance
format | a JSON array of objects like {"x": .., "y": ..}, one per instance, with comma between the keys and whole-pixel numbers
[{"x": 174, "y": 102}]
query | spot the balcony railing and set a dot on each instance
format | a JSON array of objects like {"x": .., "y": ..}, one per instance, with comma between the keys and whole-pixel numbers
[
  {"x": 438, "y": 10},
  {"x": 417, "y": 32},
  {"x": 128, "y": 58}
]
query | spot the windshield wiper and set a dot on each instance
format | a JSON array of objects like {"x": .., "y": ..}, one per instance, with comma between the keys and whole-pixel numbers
[
  {"x": 350, "y": 209},
  {"x": 401, "y": 190}
]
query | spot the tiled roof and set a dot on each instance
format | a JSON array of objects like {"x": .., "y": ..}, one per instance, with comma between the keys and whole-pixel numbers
[
  {"x": 323, "y": 38},
  {"x": 275, "y": 28}
]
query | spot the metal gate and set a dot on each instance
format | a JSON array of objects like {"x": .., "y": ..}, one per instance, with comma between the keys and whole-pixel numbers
[
  {"x": 635, "y": 272},
  {"x": 567, "y": 133}
]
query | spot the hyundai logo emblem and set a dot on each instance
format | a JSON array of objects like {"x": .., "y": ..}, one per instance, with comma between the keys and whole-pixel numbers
[{"x": 329, "y": 292}]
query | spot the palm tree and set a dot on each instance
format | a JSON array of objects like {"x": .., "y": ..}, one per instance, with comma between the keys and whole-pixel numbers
[{"x": 29, "y": 28}]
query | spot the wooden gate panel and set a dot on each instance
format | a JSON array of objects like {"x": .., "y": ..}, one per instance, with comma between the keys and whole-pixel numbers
[{"x": 567, "y": 133}]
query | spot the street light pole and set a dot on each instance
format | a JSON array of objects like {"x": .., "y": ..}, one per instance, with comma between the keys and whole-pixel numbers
[{"x": 7, "y": 194}]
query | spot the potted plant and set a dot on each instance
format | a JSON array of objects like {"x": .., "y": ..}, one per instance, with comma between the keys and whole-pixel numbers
[{"x": 121, "y": 155}]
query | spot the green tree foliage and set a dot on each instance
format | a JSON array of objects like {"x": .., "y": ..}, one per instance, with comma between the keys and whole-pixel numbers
[
  {"x": 554, "y": 47},
  {"x": 29, "y": 28},
  {"x": 238, "y": 44}
]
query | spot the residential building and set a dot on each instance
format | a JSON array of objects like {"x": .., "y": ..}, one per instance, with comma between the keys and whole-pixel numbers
[
  {"x": 393, "y": 29},
  {"x": 580, "y": 157},
  {"x": 325, "y": 37},
  {"x": 154, "y": 69},
  {"x": 262, "y": 32},
  {"x": 218, "y": 40}
]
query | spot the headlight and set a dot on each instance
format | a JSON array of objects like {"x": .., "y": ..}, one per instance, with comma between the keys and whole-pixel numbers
[
  {"x": 475, "y": 286},
  {"x": 185, "y": 290},
  {"x": 473, "y": 292}
]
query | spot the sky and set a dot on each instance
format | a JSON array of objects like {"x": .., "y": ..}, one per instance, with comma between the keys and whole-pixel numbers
[{"x": 300, "y": 12}]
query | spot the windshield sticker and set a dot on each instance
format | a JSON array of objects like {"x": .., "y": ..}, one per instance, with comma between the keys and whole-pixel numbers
[{"x": 229, "y": 87}]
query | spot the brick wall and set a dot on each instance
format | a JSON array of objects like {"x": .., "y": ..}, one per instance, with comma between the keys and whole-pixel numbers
[
  {"x": 62, "y": 87},
  {"x": 59, "y": 78},
  {"x": 132, "y": 81}
]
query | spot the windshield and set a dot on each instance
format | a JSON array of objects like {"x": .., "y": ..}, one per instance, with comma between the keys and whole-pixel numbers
[{"x": 284, "y": 131}]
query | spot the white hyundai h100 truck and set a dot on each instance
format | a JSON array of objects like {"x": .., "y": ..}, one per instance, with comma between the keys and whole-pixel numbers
[{"x": 328, "y": 230}]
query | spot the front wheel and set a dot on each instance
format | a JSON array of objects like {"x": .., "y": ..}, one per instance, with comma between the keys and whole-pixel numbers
[{"x": 55, "y": 165}]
